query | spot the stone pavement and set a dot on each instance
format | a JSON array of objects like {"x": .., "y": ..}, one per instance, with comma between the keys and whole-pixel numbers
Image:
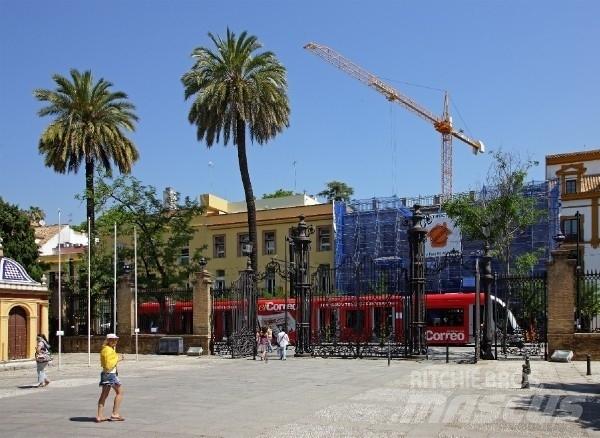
[{"x": 189, "y": 396}]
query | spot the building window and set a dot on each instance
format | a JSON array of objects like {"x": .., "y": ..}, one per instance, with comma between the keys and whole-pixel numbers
[
  {"x": 243, "y": 239},
  {"x": 324, "y": 278},
  {"x": 270, "y": 282},
  {"x": 570, "y": 230},
  {"x": 570, "y": 186},
  {"x": 269, "y": 247},
  {"x": 324, "y": 238},
  {"x": 219, "y": 246},
  {"x": 184, "y": 256},
  {"x": 219, "y": 280}
]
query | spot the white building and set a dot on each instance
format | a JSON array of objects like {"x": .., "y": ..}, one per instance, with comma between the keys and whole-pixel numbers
[
  {"x": 579, "y": 177},
  {"x": 71, "y": 241}
]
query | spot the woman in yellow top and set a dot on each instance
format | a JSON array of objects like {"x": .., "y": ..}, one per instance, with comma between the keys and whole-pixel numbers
[{"x": 109, "y": 378}]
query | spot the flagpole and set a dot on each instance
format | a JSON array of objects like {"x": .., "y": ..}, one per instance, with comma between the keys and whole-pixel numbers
[
  {"x": 135, "y": 285},
  {"x": 89, "y": 302},
  {"x": 115, "y": 285},
  {"x": 59, "y": 332}
]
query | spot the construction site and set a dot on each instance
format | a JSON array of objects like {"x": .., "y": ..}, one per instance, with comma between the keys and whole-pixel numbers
[{"x": 376, "y": 231}]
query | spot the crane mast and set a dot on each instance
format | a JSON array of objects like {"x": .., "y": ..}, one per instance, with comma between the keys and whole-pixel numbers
[{"x": 441, "y": 124}]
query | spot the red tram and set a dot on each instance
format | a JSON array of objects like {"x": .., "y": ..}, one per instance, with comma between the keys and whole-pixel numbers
[{"x": 367, "y": 318}]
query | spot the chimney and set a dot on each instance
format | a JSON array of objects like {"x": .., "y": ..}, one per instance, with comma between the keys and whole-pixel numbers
[
  {"x": 170, "y": 198},
  {"x": 1, "y": 250}
]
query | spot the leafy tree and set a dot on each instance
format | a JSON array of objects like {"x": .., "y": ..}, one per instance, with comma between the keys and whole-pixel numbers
[
  {"x": 236, "y": 89},
  {"x": 502, "y": 209},
  {"x": 18, "y": 238},
  {"x": 497, "y": 216},
  {"x": 88, "y": 127},
  {"x": 162, "y": 232},
  {"x": 337, "y": 191},
  {"x": 279, "y": 193}
]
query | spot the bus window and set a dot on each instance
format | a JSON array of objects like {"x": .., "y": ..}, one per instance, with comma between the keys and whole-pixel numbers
[{"x": 445, "y": 317}]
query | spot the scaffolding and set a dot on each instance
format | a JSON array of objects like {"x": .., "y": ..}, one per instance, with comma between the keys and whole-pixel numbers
[{"x": 375, "y": 229}]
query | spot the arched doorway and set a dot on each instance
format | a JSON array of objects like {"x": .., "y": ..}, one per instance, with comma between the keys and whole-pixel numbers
[{"x": 17, "y": 333}]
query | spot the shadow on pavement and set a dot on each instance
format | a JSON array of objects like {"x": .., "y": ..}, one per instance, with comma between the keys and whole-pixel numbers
[
  {"x": 583, "y": 410},
  {"x": 83, "y": 419},
  {"x": 35, "y": 385}
]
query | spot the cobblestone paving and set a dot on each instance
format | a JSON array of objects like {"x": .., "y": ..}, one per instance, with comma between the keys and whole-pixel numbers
[{"x": 186, "y": 396}]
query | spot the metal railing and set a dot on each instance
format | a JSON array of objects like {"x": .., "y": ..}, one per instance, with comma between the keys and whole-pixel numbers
[{"x": 587, "y": 302}]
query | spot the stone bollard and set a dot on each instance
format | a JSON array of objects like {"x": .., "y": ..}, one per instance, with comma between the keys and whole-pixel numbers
[{"x": 525, "y": 373}]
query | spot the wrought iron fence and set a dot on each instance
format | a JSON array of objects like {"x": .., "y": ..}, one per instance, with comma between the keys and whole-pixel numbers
[
  {"x": 354, "y": 308},
  {"x": 520, "y": 314},
  {"x": 165, "y": 311},
  {"x": 587, "y": 302},
  {"x": 75, "y": 313}
]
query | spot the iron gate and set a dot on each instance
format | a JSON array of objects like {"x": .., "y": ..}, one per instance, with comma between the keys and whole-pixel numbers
[
  {"x": 357, "y": 310},
  {"x": 520, "y": 310},
  {"x": 234, "y": 317}
]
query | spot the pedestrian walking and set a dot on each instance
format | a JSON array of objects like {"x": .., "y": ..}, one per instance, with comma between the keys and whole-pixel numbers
[
  {"x": 263, "y": 340},
  {"x": 42, "y": 359},
  {"x": 109, "y": 378},
  {"x": 270, "y": 337},
  {"x": 282, "y": 340}
]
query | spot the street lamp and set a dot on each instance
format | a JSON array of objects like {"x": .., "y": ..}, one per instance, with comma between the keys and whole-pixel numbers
[
  {"x": 417, "y": 235},
  {"x": 486, "y": 279},
  {"x": 301, "y": 260}
]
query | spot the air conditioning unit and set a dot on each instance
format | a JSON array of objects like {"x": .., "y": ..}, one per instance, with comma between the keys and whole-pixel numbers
[{"x": 170, "y": 345}]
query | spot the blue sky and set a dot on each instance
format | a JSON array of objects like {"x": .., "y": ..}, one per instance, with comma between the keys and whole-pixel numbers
[{"x": 523, "y": 76}]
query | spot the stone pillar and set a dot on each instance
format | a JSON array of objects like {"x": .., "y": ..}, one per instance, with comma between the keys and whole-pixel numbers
[
  {"x": 44, "y": 319},
  {"x": 561, "y": 301},
  {"x": 125, "y": 313},
  {"x": 202, "y": 308}
]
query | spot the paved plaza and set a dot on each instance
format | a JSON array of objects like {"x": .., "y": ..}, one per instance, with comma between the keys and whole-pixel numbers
[{"x": 215, "y": 397}]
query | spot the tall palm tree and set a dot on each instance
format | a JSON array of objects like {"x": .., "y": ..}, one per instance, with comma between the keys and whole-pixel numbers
[
  {"x": 236, "y": 89},
  {"x": 88, "y": 127}
]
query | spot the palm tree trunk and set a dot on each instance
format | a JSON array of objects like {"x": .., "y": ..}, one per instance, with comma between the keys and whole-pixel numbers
[
  {"x": 250, "y": 205},
  {"x": 89, "y": 195}
]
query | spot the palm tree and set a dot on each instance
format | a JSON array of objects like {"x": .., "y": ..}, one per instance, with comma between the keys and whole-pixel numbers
[
  {"x": 88, "y": 125},
  {"x": 236, "y": 89}
]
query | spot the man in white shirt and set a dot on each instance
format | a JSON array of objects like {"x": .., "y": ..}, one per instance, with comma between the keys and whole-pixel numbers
[{"x": 282, "y": 340}]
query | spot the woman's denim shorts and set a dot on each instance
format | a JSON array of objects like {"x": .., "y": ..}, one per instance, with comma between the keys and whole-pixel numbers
[{"x": 109, "y": 379}]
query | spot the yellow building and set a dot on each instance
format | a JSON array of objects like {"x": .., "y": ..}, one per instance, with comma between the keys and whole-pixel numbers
[
  {"x": 23, "y": 311},
  {"x": 223, "y": 229}
]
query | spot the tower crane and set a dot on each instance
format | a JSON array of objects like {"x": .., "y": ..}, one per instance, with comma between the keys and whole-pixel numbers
[{"x": 442, "y": 124}]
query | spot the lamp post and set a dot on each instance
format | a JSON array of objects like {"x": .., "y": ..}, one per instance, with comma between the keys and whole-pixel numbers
[
  {"x": 301, "y": 240},
  {"x": 578, "y": 271},
  {"x": 486, "y": 280},
  {"x": 417, "y": 235}
]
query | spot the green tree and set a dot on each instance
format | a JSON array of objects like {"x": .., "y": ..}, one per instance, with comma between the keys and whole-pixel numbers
[
  {"x": 235, "y": 90},
  {"x": 88, "y": 127},
  {"x": 162, "y": 232},
  {"x": 502, "y": 210},
  {"x": 337, "y": 191},
  {"x": 18, "y": 238},
  {"x": 279, "y": 193}
]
